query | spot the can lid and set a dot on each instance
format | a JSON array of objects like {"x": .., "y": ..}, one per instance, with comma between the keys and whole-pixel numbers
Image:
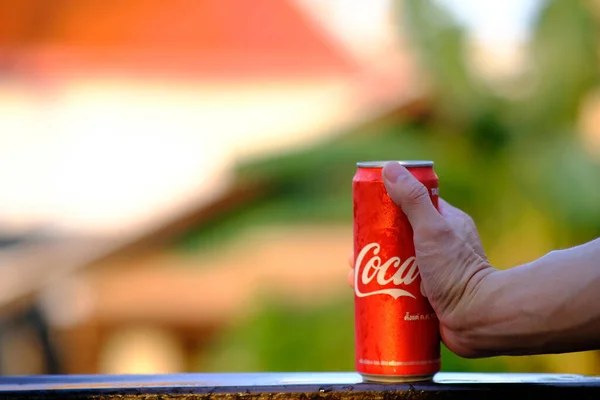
[{"x": 410, "y": 164}]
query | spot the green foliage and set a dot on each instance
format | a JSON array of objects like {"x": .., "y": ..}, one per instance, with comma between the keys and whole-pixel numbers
[
  {"x": 564, "y": 65},
  {"x": 441, "y": 49},
  {"x": 282, "y": 337}
]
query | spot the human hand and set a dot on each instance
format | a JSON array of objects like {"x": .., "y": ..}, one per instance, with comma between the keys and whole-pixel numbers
[{"x": 451, "y": 259}]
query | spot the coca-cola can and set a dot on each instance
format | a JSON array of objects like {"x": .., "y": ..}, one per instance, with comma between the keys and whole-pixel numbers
[{"x": 397, "y": 335}]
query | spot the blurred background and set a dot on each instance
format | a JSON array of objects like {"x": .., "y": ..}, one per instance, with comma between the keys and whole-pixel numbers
[{"x": 175, "y": 176}]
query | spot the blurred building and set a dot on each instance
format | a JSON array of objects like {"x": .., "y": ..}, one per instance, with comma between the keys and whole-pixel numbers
[
  {"x": 196, "y": 85},
  {"x": 122, "y": 126}
]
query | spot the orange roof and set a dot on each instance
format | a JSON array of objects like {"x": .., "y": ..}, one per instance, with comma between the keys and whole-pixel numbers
[{"x": 214, "y": 37}]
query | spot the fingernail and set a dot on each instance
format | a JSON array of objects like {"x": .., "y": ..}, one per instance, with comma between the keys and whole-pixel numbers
[{"x": 392, "y": 170}]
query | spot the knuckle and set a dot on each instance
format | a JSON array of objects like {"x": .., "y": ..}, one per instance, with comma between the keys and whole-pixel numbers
[
  {"x": 466, "y": 224},
  {"x": 437, "y": 231},
  {"x": 470, "y": 223},
  {"x": 433, "y": 239},
  {"x": 467, "y": 229},
  {"x": 466, "y": 218}
]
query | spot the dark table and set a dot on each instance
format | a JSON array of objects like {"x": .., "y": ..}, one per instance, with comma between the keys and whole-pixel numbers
[{"x": 298, "y": 386}]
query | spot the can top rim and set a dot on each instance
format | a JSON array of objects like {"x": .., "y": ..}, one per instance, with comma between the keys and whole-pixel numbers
[{"x": 405, "y": 163}]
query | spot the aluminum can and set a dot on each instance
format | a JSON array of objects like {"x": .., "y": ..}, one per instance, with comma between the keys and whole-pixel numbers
[{"x": 397, "y": 335}]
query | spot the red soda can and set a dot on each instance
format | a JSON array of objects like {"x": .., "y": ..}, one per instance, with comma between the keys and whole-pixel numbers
[{"x": 397, "y": 335}]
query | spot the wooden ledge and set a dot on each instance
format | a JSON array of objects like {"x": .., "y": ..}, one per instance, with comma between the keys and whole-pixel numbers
[{"x": 275, "y": 386}]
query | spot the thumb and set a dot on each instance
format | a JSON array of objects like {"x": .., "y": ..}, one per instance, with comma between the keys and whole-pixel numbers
[{"x": 411, "y": 195}]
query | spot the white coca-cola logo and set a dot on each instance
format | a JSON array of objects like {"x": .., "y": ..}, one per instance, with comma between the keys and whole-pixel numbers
[{"x": 406, "y": 273}]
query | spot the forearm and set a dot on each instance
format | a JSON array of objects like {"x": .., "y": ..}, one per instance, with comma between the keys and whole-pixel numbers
[{"x": 548, "y": 306}]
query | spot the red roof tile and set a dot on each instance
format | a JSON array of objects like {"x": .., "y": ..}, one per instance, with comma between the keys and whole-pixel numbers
[{"x": 205, "y": 37}]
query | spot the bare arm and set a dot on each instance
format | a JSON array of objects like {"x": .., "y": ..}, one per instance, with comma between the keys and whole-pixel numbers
[{"x": 550, "y": 305}]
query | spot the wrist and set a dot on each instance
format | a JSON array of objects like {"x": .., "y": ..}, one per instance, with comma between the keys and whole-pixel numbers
[
  {"x": 466, "y": 329},
  {"x": 511, "y": 312}
]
